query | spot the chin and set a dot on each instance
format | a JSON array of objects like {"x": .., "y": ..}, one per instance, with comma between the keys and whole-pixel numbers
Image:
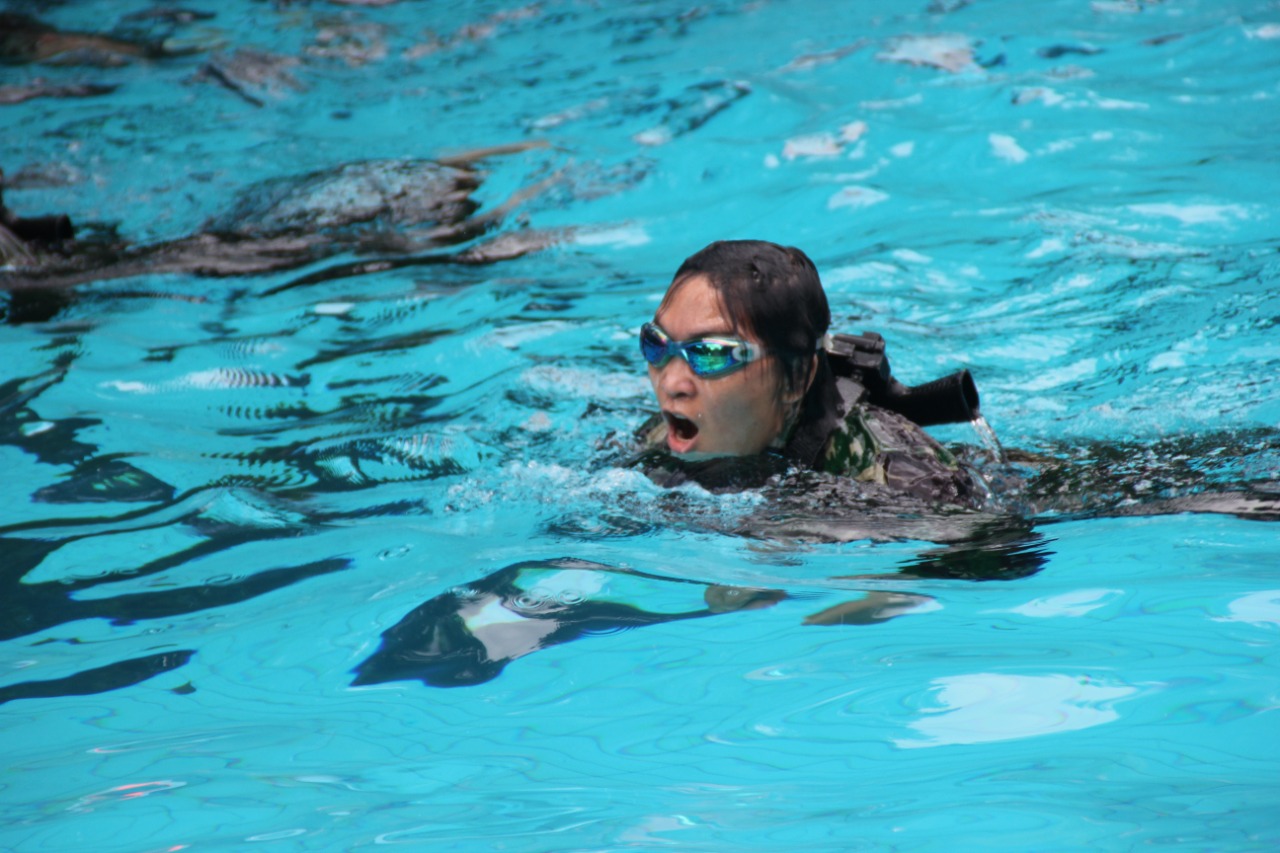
[{"x": 696, "y": 454}]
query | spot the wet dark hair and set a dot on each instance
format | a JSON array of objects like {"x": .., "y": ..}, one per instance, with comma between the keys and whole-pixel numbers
[{"x": 772, "y": 293}]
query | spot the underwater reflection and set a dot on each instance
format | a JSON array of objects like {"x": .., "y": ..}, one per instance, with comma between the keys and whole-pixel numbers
[
  {"x": 469, "y": 634},
  {"x": 102, "y": 679},
  {"x": 1004, "y": 548},
  {"x": 47, "y": 598},
  {"x": 397, "y": 208},
  {"x": 94, "y": 477}
]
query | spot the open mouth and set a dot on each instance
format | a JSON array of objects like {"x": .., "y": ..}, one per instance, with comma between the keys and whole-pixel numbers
[{"x": 680, "y": 431}]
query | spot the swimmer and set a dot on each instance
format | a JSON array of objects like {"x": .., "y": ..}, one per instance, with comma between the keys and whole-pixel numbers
[
  {"x": 24, "y": 39},
  {"x": 393, "y": 209},
  {"x": 738, "y": 357}
]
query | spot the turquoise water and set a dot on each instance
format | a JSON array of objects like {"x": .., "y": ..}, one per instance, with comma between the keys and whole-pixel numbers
[{"x": 220, "y": 492}]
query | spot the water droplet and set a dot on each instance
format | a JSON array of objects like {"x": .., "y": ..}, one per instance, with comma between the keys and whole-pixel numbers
[{"x": 531, "y": 600}]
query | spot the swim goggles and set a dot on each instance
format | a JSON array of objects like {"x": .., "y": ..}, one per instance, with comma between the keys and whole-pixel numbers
[{"x": 707, "y": 357}]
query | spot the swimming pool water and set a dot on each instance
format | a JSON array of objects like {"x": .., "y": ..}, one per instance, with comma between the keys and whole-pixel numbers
[{"x": 221, "y": 492}]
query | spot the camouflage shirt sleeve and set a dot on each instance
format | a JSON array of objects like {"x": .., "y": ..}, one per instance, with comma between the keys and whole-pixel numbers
[{"x": 879, "y": 446}]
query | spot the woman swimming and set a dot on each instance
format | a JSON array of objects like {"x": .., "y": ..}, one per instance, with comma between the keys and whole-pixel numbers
[{"x": 738, "y": 360}]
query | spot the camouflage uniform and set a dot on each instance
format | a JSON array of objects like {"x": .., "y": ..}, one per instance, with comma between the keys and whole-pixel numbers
[
  {"x": 869, "y": 445},
  {"x": 875, "y": 445}
]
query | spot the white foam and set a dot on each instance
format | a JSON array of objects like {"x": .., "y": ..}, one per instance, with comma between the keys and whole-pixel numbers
[
  {"x": 1045, "y": 95},
  {"x": 129, "y": 387},
  {"x": 1007, "y": 148},
  {"x": 858, "y": 272},
  {"x": 853, "y": 131},
  {"x": 1038, "y": 347},
  {"x": 1081, "y": 369},
  {"x": 654, "y": 136},
  {"x": 623, "y": 236},
  {"x": 1166, "y": 360},
  {"x": 578, "y": 382},
  {"x": 1117, "y": 104},
  {"x": 811, "y": 145},
  {"x": 1263, "y": 31},
  {"x": 1047, "y": 246},
  {"x": 332, "y": 308},
  {"x": 948, "y": 52},
  {"x": 911, "y": 256},
  {"x": 856, "y": 197},
  {"x": 893, "y": 103},
  {"x": 1193, "y": 214}
]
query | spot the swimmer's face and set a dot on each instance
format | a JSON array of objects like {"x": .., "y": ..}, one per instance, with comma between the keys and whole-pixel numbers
[{"x": 737, "y": 414}]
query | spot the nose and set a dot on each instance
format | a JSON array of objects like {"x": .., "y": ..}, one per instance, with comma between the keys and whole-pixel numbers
[{"x": 675, "y": 380}]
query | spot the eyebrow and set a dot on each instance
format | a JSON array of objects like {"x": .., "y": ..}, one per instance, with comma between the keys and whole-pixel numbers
[{"x": 702, "y": 333}]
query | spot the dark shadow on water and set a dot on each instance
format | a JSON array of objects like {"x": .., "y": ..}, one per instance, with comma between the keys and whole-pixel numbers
[
  {"x": 1004, "y": 549},
  {"x": 100, "y": 679},
  {"x": 34, "y": 608},
  {"x": 468, "y": 635},
  {"x": 105, "y": 479},
  {"x": 26, "y": 608}
]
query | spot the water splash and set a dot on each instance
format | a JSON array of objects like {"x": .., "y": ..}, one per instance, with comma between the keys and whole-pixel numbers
[{"x": 988, "y": 437}]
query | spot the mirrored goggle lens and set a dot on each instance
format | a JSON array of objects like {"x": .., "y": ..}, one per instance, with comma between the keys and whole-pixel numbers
[
  {"x": 653, "y": 343},
  {"x": 711, "y": 358}
]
